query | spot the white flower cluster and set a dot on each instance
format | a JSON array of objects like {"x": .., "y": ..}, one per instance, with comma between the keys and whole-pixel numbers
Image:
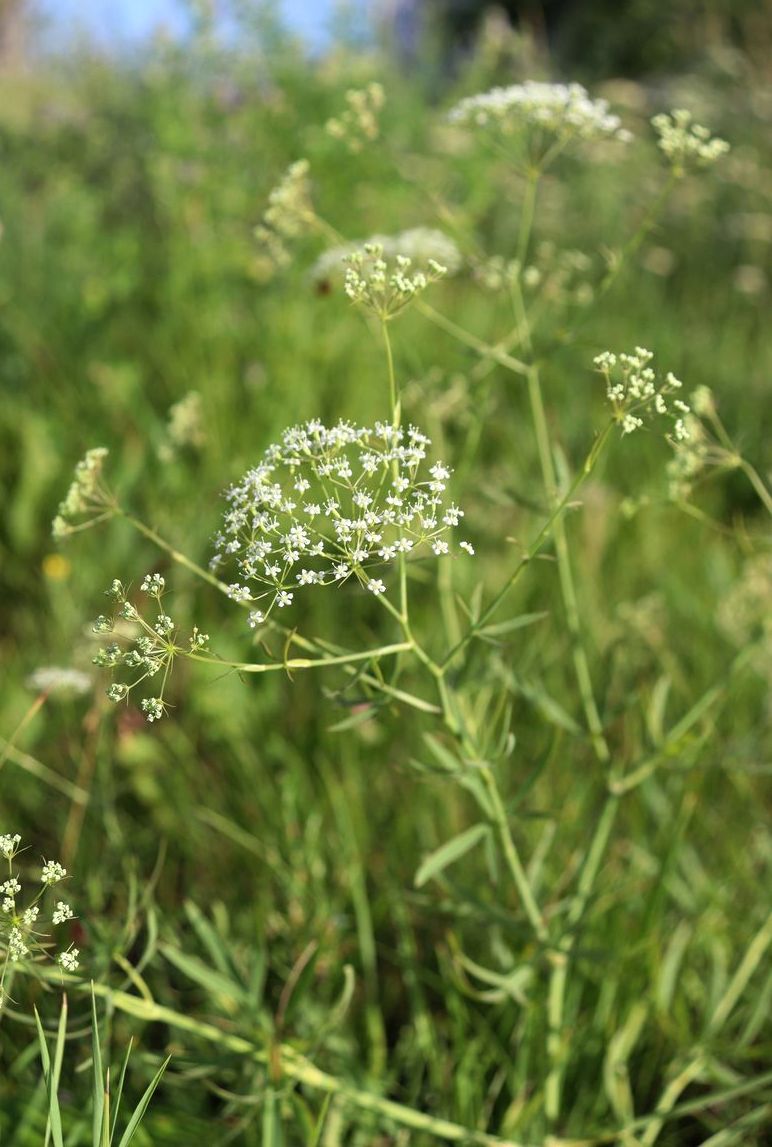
[
  {"x": 563, "y": 110},
  {"x": 686, "y": 143},
  {"x": 329, "y": 503},
  {"x": 152, "y": 645},
  {"x": 422, "y": 245},
  {"x": 358, "y": 124},
  {"x": 290, "y": 213},
  {"x": 87, "y": 496},
  {"x": 384, "y": 287},
  {"x": 185, "y": 428},
  {"x": 19, "y": 926},
  {"x": 635, "y": 392},
  {"x": 55, "y": 679}
]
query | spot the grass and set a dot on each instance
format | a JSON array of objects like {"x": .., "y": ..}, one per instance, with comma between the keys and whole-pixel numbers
[{"x": 245, "y": 872}]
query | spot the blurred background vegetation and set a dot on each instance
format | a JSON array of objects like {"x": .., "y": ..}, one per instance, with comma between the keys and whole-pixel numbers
[{"x": 260, "y": 818}]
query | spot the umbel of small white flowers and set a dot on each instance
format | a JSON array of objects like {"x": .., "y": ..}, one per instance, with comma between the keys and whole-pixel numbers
[
  {"x": 686, "y": 144},
  {"x": 21, "y": 935},
  {"x": 384, "y": 287},
  {"x": 556, "y": 112},
  {"x": 422, "y": 245},
  {"x": 150, "y": 646},
  {"x": 638, "y": 395},
  {"x": 331, "y": 503},
  {"x": 290, "y": 214},
  {"x": 358, "y": 124}
]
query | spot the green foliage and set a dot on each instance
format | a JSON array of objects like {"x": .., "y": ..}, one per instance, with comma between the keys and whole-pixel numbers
[{"x": 304, "y": 887}]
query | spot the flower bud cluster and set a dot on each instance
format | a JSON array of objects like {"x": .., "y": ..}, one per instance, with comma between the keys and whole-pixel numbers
[
  {"x": 685, "y": 143},
  {"x": 564, "y": 111},
  {"x": 386, "y": 287},
  {"x": 185, "y": 428},
  {"x": 149, "y": 646},
  {"x": 290, "y": 214},
  {"x": 330, "y": 503},
  {"x": 637, "y": 394},
  {"x": 422, "y": 245},
  {"x": 87, "y": 497},
  {"x": 21, "y": 937},
  {"x": 358, "y": 124}
]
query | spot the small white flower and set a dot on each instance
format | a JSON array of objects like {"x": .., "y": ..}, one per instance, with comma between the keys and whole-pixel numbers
[
  {"x": 283, "y": 598},
  {"x": 256, "y": 617},
  {"x": 52, "y": 872},
  {"x": 17, "y": 949},
  {"x": 61, "y": 913},
  {"x": 69, "y": 960},
  {"x": 153, "y": 584},
  {"x": 10, "y": 887},
  {"x": 467, "y": 546},
  {"x": 30, "y": 915},
  {"x": 9, "y": 845},
  {"x": 376, "y": 586}
]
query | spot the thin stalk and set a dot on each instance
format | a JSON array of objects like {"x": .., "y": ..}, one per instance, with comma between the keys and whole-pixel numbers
[
  {"x": 396, "y": 414},
  {"x": 174, "y": 554},
  {"x": 534, "y": 548},
  {"x": 468, "y": 339},
  {"x": 295, "y": 1066},
  {"x": 511, "y": 855},
  {"x": 567, "y": 587},
  {"x": 302, "y": 662},
  {"x": 561, "y": 958}
]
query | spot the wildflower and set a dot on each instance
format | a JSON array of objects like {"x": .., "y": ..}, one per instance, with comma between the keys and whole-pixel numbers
[
  {"x": 52, "y": 679},
  {"x": 61, "y": 913},
  {"x": 153, "y": 708},
  {"x": 20, "y": 926},
  {"x": 376, "y": 586},
  {"x": 9, "y": 845},
  {"x": 69, "y": 960},
  {"x": 420, "y": 244},
  {"x": 87, "y": 496},
  {"x": 52, "y": 872},
  {"x": 153, "y": 584},
  {"x": 289, "y": 214},
  {"x": 636, "y": 393},
  {"x": 185, "y": 429},
  {"x": 358, "y": 124},
  {"x": 363, "y": 525},
  {"x": 385, "y": 287},
  {"x": 561, "y": 111},
  {"x": 685, "y": 143}
]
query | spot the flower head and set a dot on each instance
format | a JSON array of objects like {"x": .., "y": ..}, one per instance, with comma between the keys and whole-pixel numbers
[
  {"x": 559, "y": 111},
  {"x": 637, "y": 394},
  {"x": 386, "y": 286},
  {"x": 358, "y": 124},
  {"x": 373, "y": 500},
  {"x": 685, "y": 143},
  {"x": 87, "y": 497}
]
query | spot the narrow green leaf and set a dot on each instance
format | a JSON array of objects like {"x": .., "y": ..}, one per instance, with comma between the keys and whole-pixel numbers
[
  {"x": 449, "y": 852},
  {"x": 272, "y": 1132},
  {"x": 98, "y": 1093},
  {"x": 204, "y": 975},
  {"x": 501, "y": 628},
  {"x": 142, "y": 1106},
  {"x": 51, "y": 1075},
  {"x": 119, "y": 1090}
]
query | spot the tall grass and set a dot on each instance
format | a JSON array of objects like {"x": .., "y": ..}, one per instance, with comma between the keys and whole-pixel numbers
[{"x": 263, "y": 879}]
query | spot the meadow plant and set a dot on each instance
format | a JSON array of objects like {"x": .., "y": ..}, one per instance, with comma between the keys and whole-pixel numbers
[
  {"x": 342, "y": 507},
  {"x": 24, "y": 916}
]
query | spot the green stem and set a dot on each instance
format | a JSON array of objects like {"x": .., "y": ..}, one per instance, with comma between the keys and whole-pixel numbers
[
  {"x": 567, "y": 587},
  {"x": 511, "y": 855},
  {"x": 174, "y": 554},
  {"x": 468, "y": 339},
  {"x": 302, "y": 662},
  {"x": 561, "y": 957},
  {"x": 534, "y": 548},
  {"x": 295, "y": 1066}
]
